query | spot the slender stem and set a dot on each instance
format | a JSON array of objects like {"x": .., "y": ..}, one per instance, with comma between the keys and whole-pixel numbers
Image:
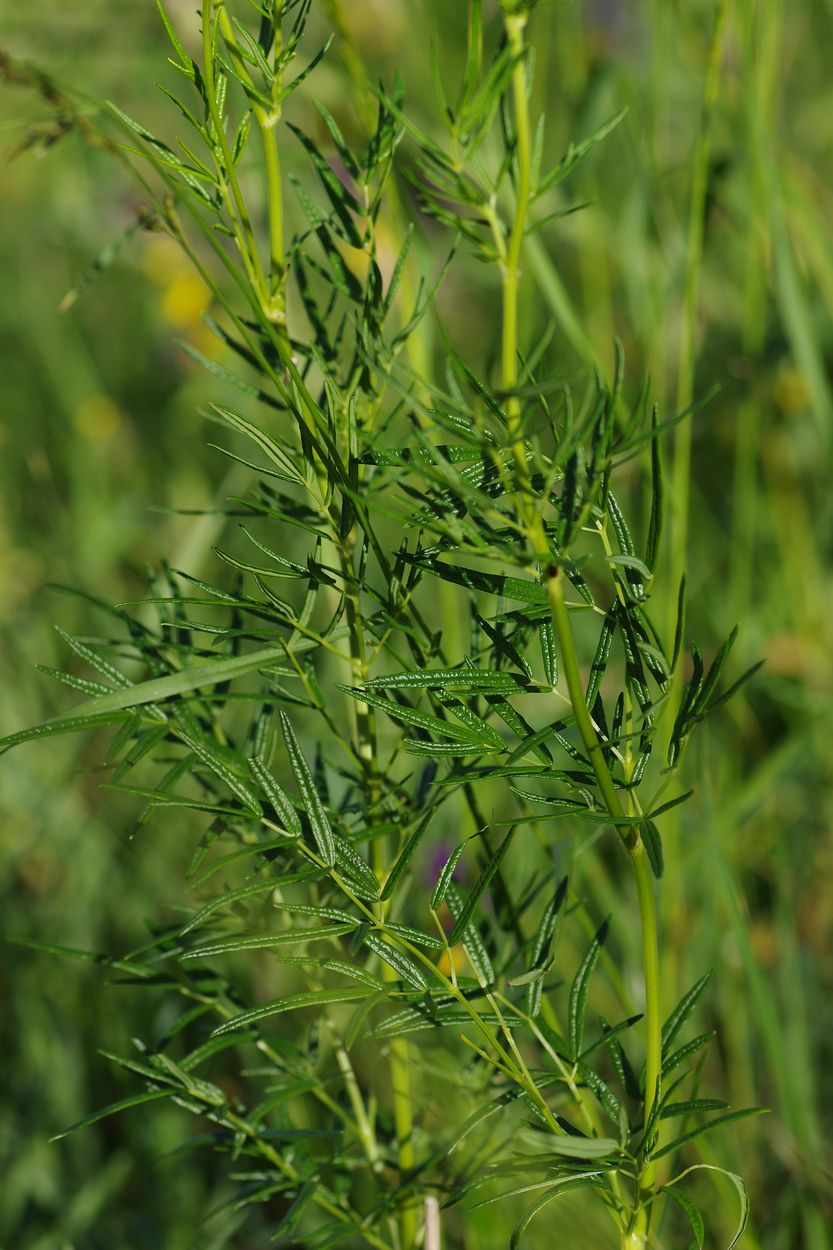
[
  {"x": 291, "y": 1173},
  {"x": 364, "y": 1125},
  {"x": 277, "y": 307},
  {"x": 400, "y": 1074},
  {"x": 267, "y": 124},
  {"x": 632, "y": 842},
  {"x": 515, "y": 26},
  {"x": 650, "y": 965},
  {"x": 236, "y": 204},
  {"x": 681, "y": 466},
  {"x": 553, "y": 578},
  {"x": 589, "y": 738},
  {"x": 404, "y": 1125}
]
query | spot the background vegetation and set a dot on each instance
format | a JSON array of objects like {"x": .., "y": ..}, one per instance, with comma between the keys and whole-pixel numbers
[{"x": 729, "y": 107}]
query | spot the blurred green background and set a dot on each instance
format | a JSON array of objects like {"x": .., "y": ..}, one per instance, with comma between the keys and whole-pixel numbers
[{"x": 100, "y": 433}]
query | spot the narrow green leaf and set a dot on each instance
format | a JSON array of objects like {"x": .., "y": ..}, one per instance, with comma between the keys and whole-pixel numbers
[
  {"x": 686, "y": 1051},
  {"x": 413, "y": 716},
  {"x": 473, "y": 942},
  {"x": 600, "y": 660},
  {"x": 683, "y": 1010},
  {"x": 446, "y": 875},
  {"x": 713, "y": 675},
  {"x": 542, "y": 944},
  {"x": 292, "y": 1002},
  {"x": 679, "y": 626},
  {"x": 113, "y": 1109},
  {"x": 263, "y": 941},
  {"x": 102, "y": 710},
  {"x": 480, "y": 1114},
  {"x": 103, "y": 261},
  {"x": 735, "y": 687},
  {"x": 655, "y": 525},
  {"x": 355, "y": 972},
  {"x": 66, "y": 725},
  {"x": 222, "y": 770},
  {"x": 559, "y": 1188},
  {"x": 353, "y": 866},
  {"x": 405, "y": 857},
  {"x": 394, "y": 958},
  {"x": 472, "y": 679},
  {"x": 691, "y": 1210},
  {"x": 717, "y": 1122},
  {"x": 631, "y": 562},
  {"x": 480, "y": 889},
  {"x": 289, "y": 820},
  {"x": 580, "y": 988},
  {"x": 691, "y": 1105},
  {"x": 182, "y": 55},
  {"x": 549, "y": 655},
  {"x": 582, "y": 1147},
  {"x": 453, "y": 749},
  {"x": 520, "y": 727},
  {"x": 273, "y": 451},
  {"x": 576, "y": 153},
  {"x": 416, "y": 936},
  {"x": 478, "y": 727},
  {"x": 319, "y": 822},
  {"x": 518, "y": 588},
  {"x": 741, "y": 1192},
  {"x": 309, "y": 872},
  {"x": 652, "y": 842}
]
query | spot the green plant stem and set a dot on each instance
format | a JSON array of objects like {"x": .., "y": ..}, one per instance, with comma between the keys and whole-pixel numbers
[
  {"x": 632, "y": 843},
  {"x": 368, "y": 754},
  {"x": 404, "y": 1125},
  {"x": 238, "y": 1123},
  {"x": 226, "y": 172},
  {"x": 504, "y": 1060},
  {"x": 650, "y": 965},
  {"x": 584, "y": 724},
  {"x": 515, "y": 25},
  {"x": 364, "y": 1125},
  {"x": 267, "y": 124},
  {"x": 679, "y": 495},
  {"x": 553, "y": 578}
]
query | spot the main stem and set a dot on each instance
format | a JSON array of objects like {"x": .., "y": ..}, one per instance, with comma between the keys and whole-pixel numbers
[
  {"x": 634, "y": 1233},
  {"x": 400, "y": 1073}
]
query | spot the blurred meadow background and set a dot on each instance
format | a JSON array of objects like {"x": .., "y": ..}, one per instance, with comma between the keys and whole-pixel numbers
[{"x": 704, "y": 244}]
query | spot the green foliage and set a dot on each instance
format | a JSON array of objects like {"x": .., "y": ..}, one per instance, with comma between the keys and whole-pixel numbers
[{"x": 365, "y": 514}]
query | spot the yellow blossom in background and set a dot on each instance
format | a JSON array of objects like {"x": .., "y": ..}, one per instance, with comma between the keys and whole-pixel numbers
[
  {"x": 791, "y": 391},
  {"x": 161, "y": 258},
  {"x": 185, "y": 300},
  {"x": 455, "y": 953},
  {"x": 185, "y": 297},
  {"x": 97, "y": 418}
]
